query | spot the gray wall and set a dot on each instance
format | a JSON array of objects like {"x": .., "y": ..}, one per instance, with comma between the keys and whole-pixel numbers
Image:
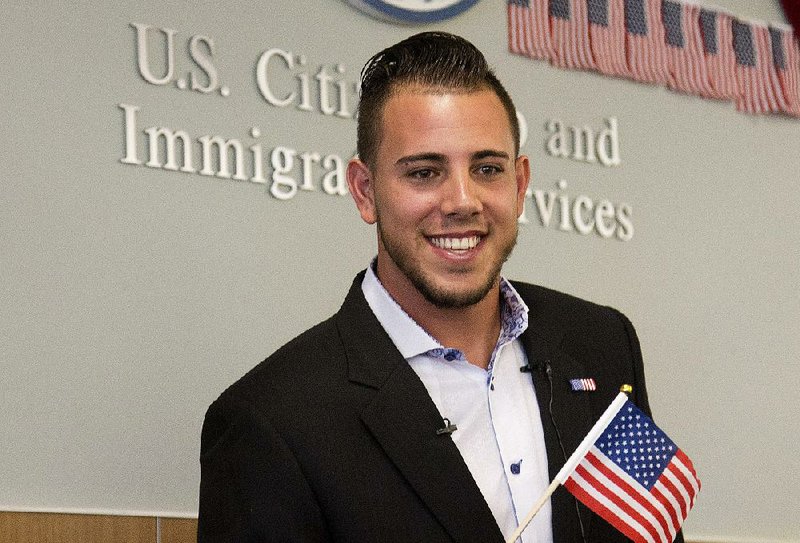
[{"x": 132, "y": 295}]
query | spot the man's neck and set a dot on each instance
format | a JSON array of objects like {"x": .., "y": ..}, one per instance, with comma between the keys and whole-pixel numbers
[{"x": 473, "y": 330}]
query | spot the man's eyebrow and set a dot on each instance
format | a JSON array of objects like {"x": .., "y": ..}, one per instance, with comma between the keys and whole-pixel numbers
[
  {"x": 490, "y": 153},
  {"x": 426, "y": 157},
  {"x": 438, "y": 157}
]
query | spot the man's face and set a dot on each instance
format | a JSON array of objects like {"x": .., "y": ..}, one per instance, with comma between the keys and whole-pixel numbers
[{"x": 446, "y": 191}]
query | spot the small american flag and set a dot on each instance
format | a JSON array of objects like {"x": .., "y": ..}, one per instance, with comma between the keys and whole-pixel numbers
[
  {"x": 786, "y": 58},
  {"x": 767, "y": 69},
  {"x": 607, "y": 35},
  {"x": 583, "y": 385},
  {"x": 516, "y": 26},
  {"x": 529, "y": 28},
  {"x": 635, "y": 477},
  {"x": 685, "y": 57},
  {"x": 753, "y": 64},
  {"x": 569, "y": 27},
  {"x": 719, "y": 55},
  {"x": 647, "y": 56}
]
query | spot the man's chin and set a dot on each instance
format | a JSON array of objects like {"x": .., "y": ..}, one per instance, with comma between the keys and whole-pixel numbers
[{"x": 454, "y": 298}]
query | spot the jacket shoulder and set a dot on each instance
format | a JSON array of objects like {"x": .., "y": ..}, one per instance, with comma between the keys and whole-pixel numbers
[
  {"x": 294, "y": 370},
  {"x": 561, "y": 308}
]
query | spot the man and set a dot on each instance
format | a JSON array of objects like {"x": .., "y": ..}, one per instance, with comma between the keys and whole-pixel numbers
[{"x": 435, "y": 405}]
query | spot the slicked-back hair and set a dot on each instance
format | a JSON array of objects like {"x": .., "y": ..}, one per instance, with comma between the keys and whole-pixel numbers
[{"x": 436, "y": 62}]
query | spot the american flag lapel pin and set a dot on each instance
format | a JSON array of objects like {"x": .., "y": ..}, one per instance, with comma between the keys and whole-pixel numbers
[{"x": 583, "y": 385}]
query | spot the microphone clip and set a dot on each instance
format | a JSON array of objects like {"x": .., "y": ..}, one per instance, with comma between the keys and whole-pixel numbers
[
  {"x": 531, "y": 367},
  {"x": 448, "y": 428}
]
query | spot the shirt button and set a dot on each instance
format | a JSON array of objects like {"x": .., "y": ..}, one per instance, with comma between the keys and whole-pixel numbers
[{"x": 515, "y": 467}]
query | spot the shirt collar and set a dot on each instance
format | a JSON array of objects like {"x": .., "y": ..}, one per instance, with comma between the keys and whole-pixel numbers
[{"x": 412, "y": 340}]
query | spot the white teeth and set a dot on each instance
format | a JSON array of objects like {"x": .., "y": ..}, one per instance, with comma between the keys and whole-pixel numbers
[{"x": 456, "y": 244}]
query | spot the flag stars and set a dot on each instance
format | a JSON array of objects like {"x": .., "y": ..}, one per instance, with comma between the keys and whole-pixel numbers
[{"x": 637, "y": 446}]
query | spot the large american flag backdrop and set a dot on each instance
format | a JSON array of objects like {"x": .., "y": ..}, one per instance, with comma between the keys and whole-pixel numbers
[
  {"x": 636, "y": 478},
  {"x": 700, "y": 51}
]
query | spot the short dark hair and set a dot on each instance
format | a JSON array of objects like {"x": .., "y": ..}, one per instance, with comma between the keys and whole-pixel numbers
[{"x": 435, "y": 60}]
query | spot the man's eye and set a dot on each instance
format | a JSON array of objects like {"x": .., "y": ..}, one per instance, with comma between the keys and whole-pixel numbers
[
  {"x": 489, "y": 169},
  {"x": 423, "y": 173}
]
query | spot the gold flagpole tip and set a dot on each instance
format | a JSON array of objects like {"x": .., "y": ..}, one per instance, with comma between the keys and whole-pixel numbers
[{"x": 627, "y": 389}]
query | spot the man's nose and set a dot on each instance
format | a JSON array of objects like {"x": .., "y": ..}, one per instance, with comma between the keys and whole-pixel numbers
[{"x": 461, "y": 195}]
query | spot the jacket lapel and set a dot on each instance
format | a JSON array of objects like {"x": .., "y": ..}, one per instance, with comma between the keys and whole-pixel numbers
[
  {"x": 403, "y": 419},
  {"x": 570, "y": 421}
]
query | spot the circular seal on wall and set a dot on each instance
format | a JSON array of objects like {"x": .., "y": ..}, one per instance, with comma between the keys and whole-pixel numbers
[{"x": 413, "y": 11}]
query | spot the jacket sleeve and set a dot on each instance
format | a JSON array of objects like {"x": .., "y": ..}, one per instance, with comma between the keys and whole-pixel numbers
[{"x": 252, "y": 488}]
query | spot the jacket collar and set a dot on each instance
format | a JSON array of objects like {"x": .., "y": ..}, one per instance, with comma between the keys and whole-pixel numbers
[{"x": 566, "y": 416}]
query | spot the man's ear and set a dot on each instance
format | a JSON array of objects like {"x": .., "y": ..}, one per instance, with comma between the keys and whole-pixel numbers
[
  {"x": 522, "y": 171},
  {"x": 360, "y": 183}
]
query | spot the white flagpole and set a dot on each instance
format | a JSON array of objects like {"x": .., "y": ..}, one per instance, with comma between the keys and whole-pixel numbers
[{"x": 575, "y": 459}]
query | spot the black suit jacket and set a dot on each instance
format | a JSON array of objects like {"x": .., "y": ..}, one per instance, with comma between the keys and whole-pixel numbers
[{"x": 333, "y": 437}]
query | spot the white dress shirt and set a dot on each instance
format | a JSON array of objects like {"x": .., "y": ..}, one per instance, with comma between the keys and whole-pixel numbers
[{"x": 499, "y": 435}]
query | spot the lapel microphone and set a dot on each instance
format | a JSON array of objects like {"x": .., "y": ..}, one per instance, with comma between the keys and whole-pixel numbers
[
  {"x": 532, "y": 367},
  {"x": 448, "y": 428}
]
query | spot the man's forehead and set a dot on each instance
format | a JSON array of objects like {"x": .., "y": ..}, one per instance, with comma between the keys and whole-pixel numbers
[
  {"x": 416, "y": 112},
  {"x": 412, "y": 87},
  {"x": 425, "y": 103}
]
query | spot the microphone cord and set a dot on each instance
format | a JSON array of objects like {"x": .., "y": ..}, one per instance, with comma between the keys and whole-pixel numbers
[{"x": 549, "y": 372}]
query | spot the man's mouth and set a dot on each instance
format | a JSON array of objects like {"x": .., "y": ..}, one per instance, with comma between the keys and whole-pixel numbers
[{"x": 456, "y": 244}]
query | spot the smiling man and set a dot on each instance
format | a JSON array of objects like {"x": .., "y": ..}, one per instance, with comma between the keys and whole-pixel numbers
[
  {"x": 445, "y": 188},
  {"x": 438, "y": 402}
]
